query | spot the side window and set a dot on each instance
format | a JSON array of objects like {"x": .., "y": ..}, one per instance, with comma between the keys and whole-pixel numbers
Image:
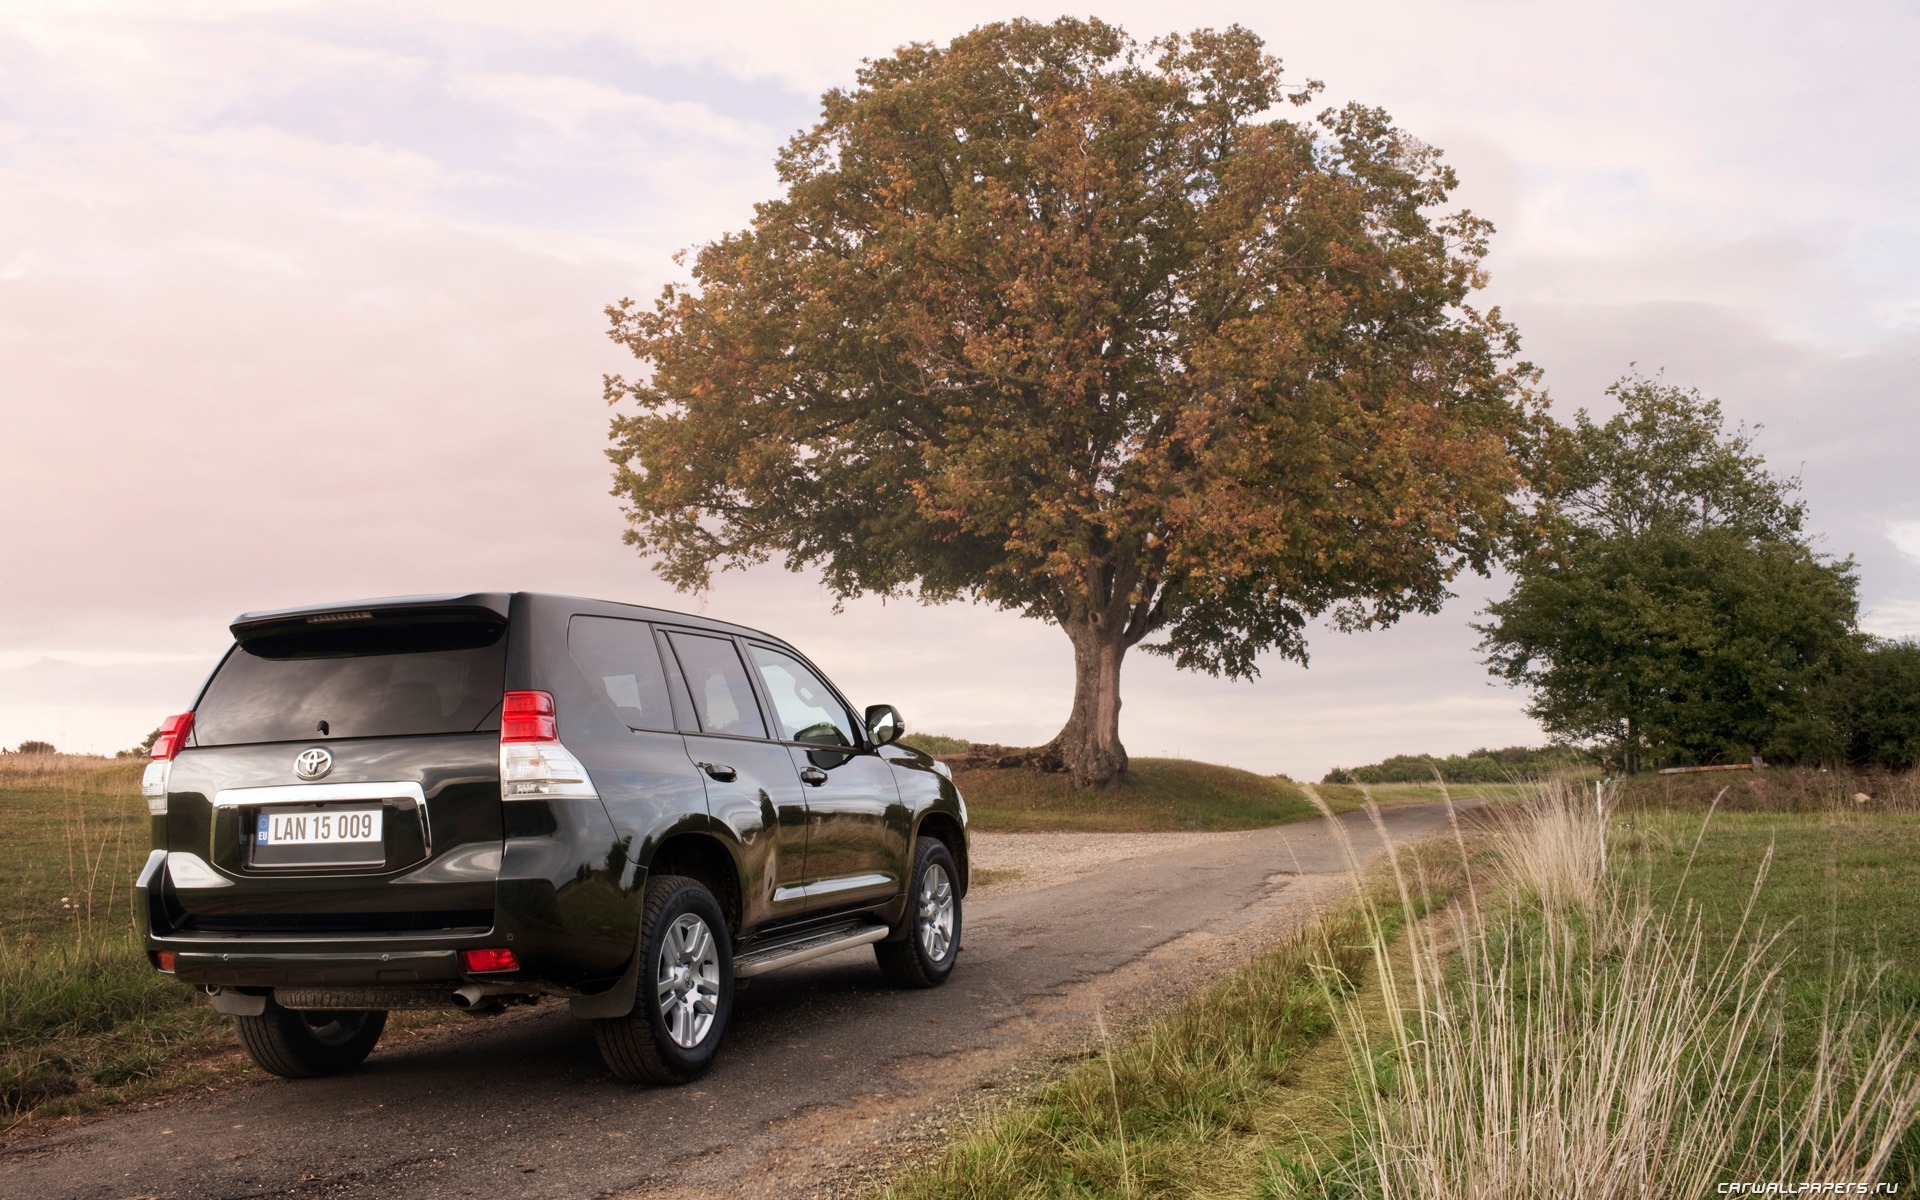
[
  {"x": 722, "y": 697},
  {"x": 805, "y": 708},
  {"x": 620, "y": 656}
]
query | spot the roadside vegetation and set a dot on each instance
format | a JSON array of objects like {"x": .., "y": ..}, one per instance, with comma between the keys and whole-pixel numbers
[
  {"x": 1616, "y": 1024},
  {"x": 1654, "y": 1001},
  {"x": 85, "y": 1021},
  {"x": 1197, "y": 1103}
]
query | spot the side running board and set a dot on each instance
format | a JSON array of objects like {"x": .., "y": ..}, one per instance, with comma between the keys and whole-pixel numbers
[{"x": 805, "y": 946}]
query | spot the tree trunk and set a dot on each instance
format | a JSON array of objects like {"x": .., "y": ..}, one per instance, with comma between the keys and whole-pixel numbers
[{"x": 1089, "y": 745}]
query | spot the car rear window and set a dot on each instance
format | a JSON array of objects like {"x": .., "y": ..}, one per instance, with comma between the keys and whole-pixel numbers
[{"x": 418, "y": 676}]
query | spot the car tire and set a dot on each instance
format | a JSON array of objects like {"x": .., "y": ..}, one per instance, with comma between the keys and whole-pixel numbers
[
  {"x": 925, "y": 956},
  {"x": 306, "y": 1045},
  {"x": 685, "y": 991}
]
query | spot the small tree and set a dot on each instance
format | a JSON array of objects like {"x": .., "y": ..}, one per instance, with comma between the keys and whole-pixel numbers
[
  {"x": 1701, "y": 645},
  {"x": 1082, "y": 329},
  {"x": 36, "y": 748},
  {"x": 1668, "y": 603}
]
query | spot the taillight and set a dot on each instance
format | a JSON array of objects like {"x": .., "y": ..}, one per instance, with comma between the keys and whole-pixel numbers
[
  {"x": 173, "y": 736},
  {"x": 533, "y": 763},
  {"x": 479, "y": 962},
  {"x": 171, "y": 740},
  {"x": 162, "y": 960},
  {"x": 527, "y": 717}
]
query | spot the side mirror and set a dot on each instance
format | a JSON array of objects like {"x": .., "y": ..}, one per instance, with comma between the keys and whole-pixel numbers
[{"x": 884, "y": 724}]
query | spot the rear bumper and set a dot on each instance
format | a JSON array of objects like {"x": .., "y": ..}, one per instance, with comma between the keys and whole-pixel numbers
[
  {"x": 531, "y": 916},
  {"x": 196, "y": 963}
]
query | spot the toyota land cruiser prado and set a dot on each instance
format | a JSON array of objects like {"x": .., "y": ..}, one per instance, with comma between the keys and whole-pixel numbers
[{"x": 474, "y": 801}]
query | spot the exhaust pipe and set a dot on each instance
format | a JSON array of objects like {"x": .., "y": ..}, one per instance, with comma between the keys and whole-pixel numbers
[{"x": 477, "y": 995}]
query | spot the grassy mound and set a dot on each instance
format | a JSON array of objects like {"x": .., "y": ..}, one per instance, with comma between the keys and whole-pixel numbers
[{"x": 1155, "y": 794}]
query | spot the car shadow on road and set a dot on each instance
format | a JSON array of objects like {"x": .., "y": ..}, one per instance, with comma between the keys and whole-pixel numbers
[{"x": 532, "y": 1049}]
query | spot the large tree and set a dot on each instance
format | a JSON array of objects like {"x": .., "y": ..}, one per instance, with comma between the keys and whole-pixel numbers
[
  {"x": 1669, "y": 605},
  {"x": 1086, "y": 329}
]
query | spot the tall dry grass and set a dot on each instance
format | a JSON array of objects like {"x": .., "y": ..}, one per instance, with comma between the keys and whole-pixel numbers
[
  {"x": 1569, "y": 1037},
  {"x": 1179, "y": 1107}
]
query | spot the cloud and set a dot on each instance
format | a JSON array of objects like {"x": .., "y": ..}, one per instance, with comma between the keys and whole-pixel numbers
[
  {"x": 1893, "y": 619},
  {"x": 1905, "y": 536},
  {"x": 572, "y": 105}
]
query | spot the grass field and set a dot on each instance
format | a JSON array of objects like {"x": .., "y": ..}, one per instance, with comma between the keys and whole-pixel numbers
[
  {"x": 1839, "y": 887},
  {"x": 84, "y": 1019},
  {"x": 1290, "y": 1111},
  {"x": 1348, "y": 797}
]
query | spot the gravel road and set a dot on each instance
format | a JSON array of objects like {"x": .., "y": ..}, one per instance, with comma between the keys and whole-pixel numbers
[{"x": 828, "y": 1077}]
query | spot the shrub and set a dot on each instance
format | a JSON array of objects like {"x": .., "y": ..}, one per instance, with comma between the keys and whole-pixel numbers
[
  {"x": 935, "y": 744},
  {"x": 1480, "y": 766}
]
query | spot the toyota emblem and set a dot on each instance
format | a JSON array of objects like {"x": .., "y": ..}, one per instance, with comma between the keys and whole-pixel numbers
[{"x": 312, "y": 764}]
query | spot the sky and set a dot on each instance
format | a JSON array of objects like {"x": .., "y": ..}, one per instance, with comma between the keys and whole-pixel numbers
[{"x": 303, "y": 302}]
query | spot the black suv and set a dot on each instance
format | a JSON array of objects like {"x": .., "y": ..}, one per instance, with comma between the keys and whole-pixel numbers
[{"x": 474, "y": 801}]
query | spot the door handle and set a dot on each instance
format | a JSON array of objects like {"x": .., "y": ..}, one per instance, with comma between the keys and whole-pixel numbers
[
  {"x": 813, "y": 775},
  {"x": 720, "y": 771}
]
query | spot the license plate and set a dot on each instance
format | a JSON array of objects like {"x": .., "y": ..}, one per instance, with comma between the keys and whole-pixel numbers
[{"x": 333, "y": 827}]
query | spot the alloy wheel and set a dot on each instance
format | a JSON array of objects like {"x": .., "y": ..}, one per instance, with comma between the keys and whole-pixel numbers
[
  {"x": 688, "y": 980},
  {"x": 936, "y": 912}
]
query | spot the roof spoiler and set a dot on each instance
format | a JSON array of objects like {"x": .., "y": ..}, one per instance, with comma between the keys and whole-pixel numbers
[
  {"x": 406, "y": 624},
  {"x": 389, "y": 610}
]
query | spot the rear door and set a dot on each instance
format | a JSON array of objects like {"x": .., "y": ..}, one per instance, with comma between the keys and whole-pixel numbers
[
  {"x": 342, "y": 775},
  {"x": 622, "y": 727},
  {"x": 857, "y": 827},
  {"x": 751, "y": 785}
]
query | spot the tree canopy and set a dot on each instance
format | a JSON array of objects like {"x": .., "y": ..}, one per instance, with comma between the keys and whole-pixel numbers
[
  {"x": 1086, "y": 329},
  {"x": 1665, "y": 463}
]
